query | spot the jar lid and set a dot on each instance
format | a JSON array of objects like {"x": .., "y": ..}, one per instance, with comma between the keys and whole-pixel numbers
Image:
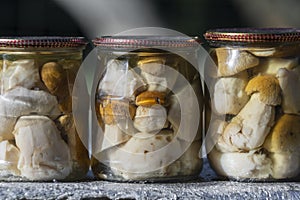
[
  {"x": 42, "y": 42},
  {"x": 253, "y": 35},
  {"x": 146, "y": 41}
]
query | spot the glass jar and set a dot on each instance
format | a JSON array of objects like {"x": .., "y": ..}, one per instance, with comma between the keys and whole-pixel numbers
[
  {"x": 255, "y": 127},
  {"x": 38, "y": 138},
  {"x": 147, "y": 109}
]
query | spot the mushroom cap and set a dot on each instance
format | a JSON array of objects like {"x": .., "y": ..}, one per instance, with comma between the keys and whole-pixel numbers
[
  {"x": 149, "y": 98},
  {"x": 285, "y": 136},
  {"x": 268, "y": 88},
  {"x": 55, "y": 78},
  {"x": 285, "y": 165}
]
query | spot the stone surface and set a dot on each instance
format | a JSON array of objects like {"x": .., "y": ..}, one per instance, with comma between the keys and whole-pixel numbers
[
  {"x": 204, "y": 188},
  {"x": 110, "y": 190}
]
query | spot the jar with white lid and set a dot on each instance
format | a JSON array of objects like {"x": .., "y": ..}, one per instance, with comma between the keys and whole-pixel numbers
[
  {"x": 255, "y": 103},
  {"x": 147, "y": 109},
  {"x": 38, "y": 137}
]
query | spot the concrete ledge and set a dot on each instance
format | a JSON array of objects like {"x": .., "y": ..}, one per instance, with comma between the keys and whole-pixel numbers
[
  {"x": 206, "y": 188},
  {"x": 109, "y": 190}
]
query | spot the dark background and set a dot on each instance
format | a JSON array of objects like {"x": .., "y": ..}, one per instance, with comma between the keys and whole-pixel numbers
[
  {"x": 35, "y": 17},
  {"x": 91, "y": 18}
]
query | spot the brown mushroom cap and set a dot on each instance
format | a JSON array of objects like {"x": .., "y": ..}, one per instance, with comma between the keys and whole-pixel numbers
[
  {"x": 268, "y": 88},
  {"x": 112, "y": 110},
  {"x": 150, "y": 98},
  {"x": 54, "y": 77},
  {"x": 285, "y": 136}
]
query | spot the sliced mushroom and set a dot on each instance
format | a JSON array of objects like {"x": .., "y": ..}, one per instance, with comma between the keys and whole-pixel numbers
[
  {"x": 229, "y": 95},
  {"x": 20, "y": 73},
  {"x": 233, "y": 61}
]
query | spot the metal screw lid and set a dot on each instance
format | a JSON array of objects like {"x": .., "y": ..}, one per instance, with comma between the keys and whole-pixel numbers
[
  {"x": 146, "y": 41},
  {"x": 253, "y": 35},
  {"x": 42, "y": 42}
]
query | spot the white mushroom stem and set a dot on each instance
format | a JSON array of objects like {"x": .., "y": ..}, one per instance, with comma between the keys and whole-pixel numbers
[
  {"x": 43, "y": 153},
  {"x": 249, "y": 128},
  {"x": 229, "y": 94}
]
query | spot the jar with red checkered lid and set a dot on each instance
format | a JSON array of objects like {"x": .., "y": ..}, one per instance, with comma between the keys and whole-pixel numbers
[
  {"x": 38, "y": 137},
  {"x": 254, "y": 128}
]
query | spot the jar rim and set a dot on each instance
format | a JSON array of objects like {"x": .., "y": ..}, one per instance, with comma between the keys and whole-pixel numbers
[
  {"x": 253, "y": 35},
  {"x": 145, "y": 41},
  {"x": 42, "y": 42}
]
